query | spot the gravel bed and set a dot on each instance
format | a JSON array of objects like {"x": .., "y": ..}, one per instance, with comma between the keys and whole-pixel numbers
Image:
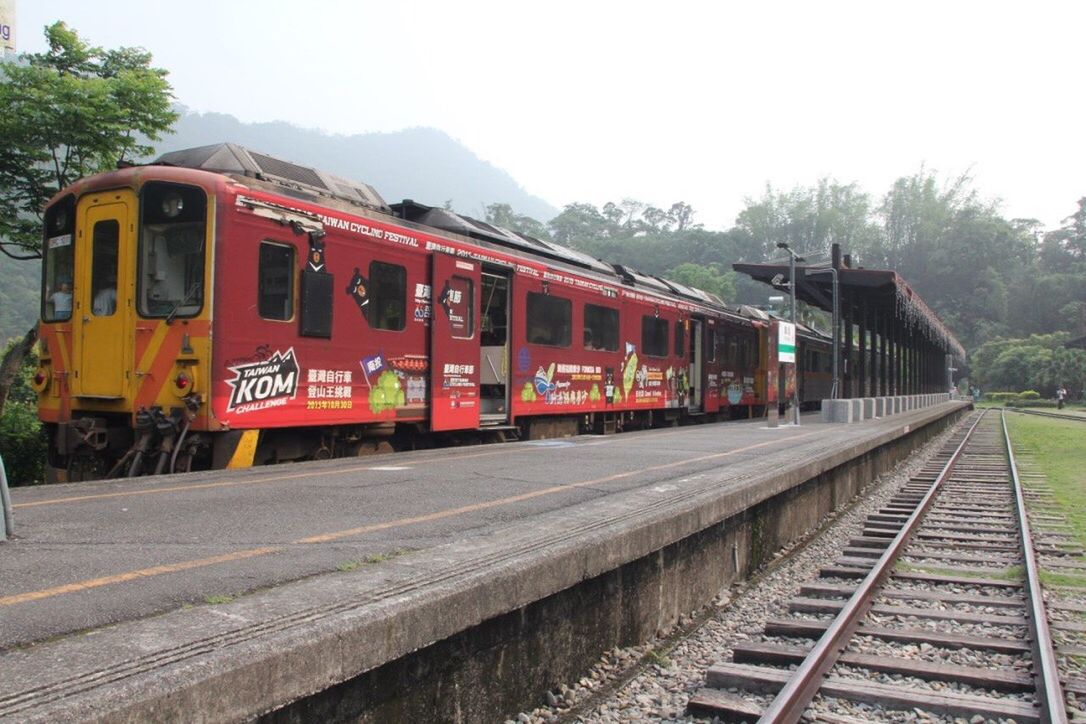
[
  {"x": 938, "y": 654},
  {"x": 958, "y": 606},
  {"x": 869, "y": 712},
  {"x": 912, "y": 623},
  {"x": 619, "y": 688},
  {"x": 970, "y": 589},
  {"x": 922, "y": 685}
]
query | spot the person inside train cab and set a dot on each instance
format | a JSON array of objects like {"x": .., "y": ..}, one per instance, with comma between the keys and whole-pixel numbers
[
  {"x": 105, "y": 301},
  {"x": 61, "y": 300}
]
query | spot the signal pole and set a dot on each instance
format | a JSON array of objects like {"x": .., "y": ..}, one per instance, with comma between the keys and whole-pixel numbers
[{"x": 792, "y": 259}]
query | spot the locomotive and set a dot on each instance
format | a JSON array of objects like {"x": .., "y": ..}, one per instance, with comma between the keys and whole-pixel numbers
[{"x": 221, "y": 308}]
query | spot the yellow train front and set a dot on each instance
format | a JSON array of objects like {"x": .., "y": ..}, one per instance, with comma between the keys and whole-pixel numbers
[{"x": 125, "y": 324}]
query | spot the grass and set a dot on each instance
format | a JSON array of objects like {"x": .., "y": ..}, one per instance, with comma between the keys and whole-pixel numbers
[
  {"x": 655, "y": 657},
  {"x": 215, "y": 600},
  {"x": 372, "y": 559},
  {"x": 1057, "y": 449}
]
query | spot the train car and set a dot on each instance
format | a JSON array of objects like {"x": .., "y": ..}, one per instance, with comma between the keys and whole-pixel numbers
[{"x": 223, "y": 308}]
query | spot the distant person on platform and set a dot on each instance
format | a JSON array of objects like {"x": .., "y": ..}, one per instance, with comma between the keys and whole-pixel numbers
[
  {"x": 105, "y": 301},
  {"x": 1061, "y": 397},
  {"x": 976, "y": 394}
]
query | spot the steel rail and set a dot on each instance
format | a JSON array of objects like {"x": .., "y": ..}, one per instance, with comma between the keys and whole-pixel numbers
[
  {"x": 1052, "y": 415},
  {"x": 1045, "y": 670},
  {"x": 796, "y": 696}
]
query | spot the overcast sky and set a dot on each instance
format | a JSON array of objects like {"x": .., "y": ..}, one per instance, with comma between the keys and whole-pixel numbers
[{"x": 663, "y": 101}]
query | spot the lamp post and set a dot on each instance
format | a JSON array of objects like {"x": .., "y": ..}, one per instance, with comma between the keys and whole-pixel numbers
[
  {"x": 836, "y": 326},
  {"x": 792, "y": 259}
]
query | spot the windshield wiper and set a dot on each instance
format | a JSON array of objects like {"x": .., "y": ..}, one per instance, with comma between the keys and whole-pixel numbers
[{"x": 184, "y": 300}]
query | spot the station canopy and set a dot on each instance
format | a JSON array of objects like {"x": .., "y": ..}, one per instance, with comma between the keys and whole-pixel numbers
[{"x": 881, "y": 289}]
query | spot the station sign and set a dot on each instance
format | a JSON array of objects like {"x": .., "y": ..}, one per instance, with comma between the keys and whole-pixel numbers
[{"x": 786, "y": 342}]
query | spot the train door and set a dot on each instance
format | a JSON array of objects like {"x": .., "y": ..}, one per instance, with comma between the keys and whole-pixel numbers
[
  {"x": 696, "y": 373},
  {"x": 454, "y": 344},
  {"x": 494, "y": 353},
  {"x": 102, "y": 293}
]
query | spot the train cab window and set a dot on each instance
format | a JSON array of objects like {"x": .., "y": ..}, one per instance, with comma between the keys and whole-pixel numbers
[
  {"x": 388, "y": 295},
  {"x": 550, "y": 320},
  {"x": 680, "y": 339},
  {"x": 57, "y": 269},
  {"x": 275, "y": 286},
  {"x": 173, "y": 225},
  {"x": 710, "y": 348},
  {"x": 600, "y": 328},
  {"x": 654, "y": 336},
  {"x": 104, "y": 242}
]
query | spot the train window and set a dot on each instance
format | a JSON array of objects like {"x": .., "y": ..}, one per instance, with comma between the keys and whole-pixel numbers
[
  {"x": 104, "y": 241},
  {"x": 710, "y": 349},
  {"x": 654, "y": 336},
  {"x": 173, "y": 224},
  {"x": 458, "y": 300},
  {"x": 600, "y": 328},
  {"x": 57, "y": 261},
  {"x": 680, "y": 339},
  {"x": 275, "y": 283},
  {"x": 388, "y": 290},
  {"x": 494, "y": 323},
  {"x": 550, "y": 320}
]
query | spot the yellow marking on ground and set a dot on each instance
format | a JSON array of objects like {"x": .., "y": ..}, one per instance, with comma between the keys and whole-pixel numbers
[
  {"x": 133, "y": 575},
  {"x": 255, "y": 552},
  {"x": 297, "y": 476},
  {"x": 474, "y": 507}
]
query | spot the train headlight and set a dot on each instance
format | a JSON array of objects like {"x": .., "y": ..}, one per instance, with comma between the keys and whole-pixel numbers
[
  {"x": 182, "y": 382},
  {"x": 40, "y": 380}
]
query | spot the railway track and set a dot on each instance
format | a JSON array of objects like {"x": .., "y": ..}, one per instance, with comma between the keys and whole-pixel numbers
[
  {"x": 1056, "y": 415},
  {"x": 934, "y": 611}
]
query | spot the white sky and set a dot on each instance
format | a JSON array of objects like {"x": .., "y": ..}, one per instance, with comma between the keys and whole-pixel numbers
[{"x": 662, "y": 101}]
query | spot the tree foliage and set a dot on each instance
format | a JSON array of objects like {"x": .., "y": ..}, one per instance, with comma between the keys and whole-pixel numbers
[
  {"x": 1039, "y": 362},
  {"x": 74, "y": 110},
  {"x": 22, "y": 441}
]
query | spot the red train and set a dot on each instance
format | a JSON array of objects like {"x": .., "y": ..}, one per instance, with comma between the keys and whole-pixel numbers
[{"x": 223, "y": 308}]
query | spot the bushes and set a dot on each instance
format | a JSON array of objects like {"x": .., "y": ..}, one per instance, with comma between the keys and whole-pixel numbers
[
  {"x": 22, "y": 440},
  {"x": 1001, "y": 396},
  {"x": 1029, "y": 395},
  {"x": 1031, "y": 402},
  {"x": 22, "y": 443}
]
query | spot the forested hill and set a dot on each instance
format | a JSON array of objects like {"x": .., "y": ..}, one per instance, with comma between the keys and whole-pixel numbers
[{"x": 423, "y": 164}]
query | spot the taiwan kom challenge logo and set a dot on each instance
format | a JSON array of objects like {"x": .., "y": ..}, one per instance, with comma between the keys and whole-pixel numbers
[{"x": 260, "y": 385}]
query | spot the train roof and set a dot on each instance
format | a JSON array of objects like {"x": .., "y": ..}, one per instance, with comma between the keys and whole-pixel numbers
[
  {"x": 232, "y": 159},
  {"x": 319, "y": 186}
]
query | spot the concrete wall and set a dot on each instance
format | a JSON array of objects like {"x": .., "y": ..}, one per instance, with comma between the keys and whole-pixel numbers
[
  {"x": 505, "y": 664},
  {"x": 867, "y": 408}
]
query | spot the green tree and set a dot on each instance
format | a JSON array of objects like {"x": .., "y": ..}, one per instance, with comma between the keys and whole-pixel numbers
[
  {"x": 808, "y": 219},
  {"x": 503, "y": 215},
  {"x": 72, "y": 111},
  {"x": 708, "y": 278}
]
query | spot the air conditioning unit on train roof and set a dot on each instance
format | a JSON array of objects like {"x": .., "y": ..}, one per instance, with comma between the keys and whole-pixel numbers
[{"x": 232, "y": 159}]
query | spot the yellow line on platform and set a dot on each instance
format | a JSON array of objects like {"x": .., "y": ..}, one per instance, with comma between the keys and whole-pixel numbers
[
  {"x": 429, "y": 517},
  {"x": 133, "y": 575},
  {"x": 337, "y": 535}
]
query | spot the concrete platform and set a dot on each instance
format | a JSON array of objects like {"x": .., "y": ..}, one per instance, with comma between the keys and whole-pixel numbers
[{"x": 224, "y": 596}]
